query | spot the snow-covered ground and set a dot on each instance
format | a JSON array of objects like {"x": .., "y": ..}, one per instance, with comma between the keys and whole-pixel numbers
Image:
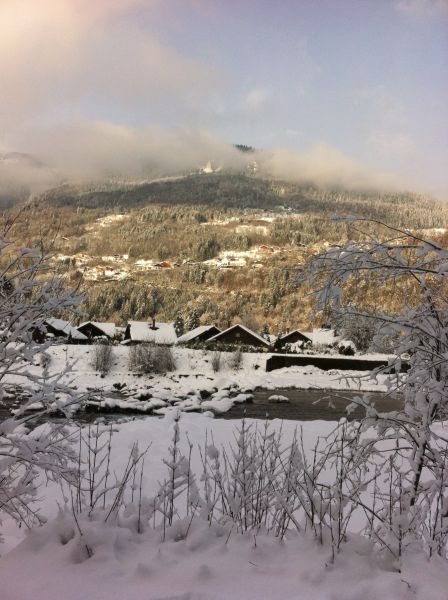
[
  {"x": 195, "y": 560},
  {"x": 240, "y": 258},
  {"x": 207, "y": 563},
  {"x": 194, "y": 385}
]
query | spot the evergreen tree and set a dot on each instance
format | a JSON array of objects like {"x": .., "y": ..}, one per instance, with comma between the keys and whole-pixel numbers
[
  {"x": 193, "y": 320},
  {"x": 179, "y": 325},
  {"x": 154, "y": 303},
  {"x": 265, "y": 333}
]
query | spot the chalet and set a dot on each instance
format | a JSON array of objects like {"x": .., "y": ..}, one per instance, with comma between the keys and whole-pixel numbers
[
  {"x": 140, "y": 332},
  {"x": 94, "y": 329},
  {"x": 294, "y": 337},
  {"x": 240, "y": 335},
  {"x": 198, "y": 334},
  {"x": 63, "y": 329}
]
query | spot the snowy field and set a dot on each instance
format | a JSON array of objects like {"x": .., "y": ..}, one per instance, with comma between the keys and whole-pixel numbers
[{"x": 209, "y": 562}]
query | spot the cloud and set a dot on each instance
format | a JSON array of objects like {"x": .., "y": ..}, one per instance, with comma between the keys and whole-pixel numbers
[
  {"x": 99, "y": 150},
  {"x": 422, "y": 8},
  {"x": 65, "y": 64},
  {"x": 62, "y": 58},
  {"x": 324, "y": 166}
]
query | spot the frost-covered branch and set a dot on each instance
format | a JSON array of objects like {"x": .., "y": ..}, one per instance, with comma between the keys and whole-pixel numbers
[{"x": 30, "y": 293}]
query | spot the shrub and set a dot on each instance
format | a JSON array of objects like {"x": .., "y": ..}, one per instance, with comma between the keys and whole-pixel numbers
[
  {"x": 236, "y": 359},
  {"x": 150, "y": 358},
  {"x": 45, "y": 360},
  {"x": 140, "y": 358},
  {"x": 102, "y": 357},
  {"x": 163, "y": 359},
  {"x": 216, "y": 361},
  {"x": 347, "y": 348}
]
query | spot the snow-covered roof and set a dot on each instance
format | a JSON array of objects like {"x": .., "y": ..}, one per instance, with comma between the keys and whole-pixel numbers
[
  {"x": 66, "y": 328},
  {"x": 108, "y": 329},
  {"x": 323, "y": 336},
  {"x": 306, "y": 334},
  {"x": 197, "y": 331},
  {"x": 261, "y": 339},
  {"x": 141, "y": 331}
]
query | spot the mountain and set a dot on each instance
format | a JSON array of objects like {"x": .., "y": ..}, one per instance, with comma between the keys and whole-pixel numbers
[
  {"x": 244, "y": 191},
  {"x": 20, "y": 159}
]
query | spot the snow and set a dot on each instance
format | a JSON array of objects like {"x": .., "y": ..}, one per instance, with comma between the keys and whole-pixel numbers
[
  {"x": 145, "y": 264},
  {"x": 278, "y": 398},
  {"x": 197, "y": 561},
  {"x": 208, "y": 168},
  {"x": 223, "y": 403},
  {"x": 204, "y": 567},
  {"x": 109, "y": 219},
  {"x": 240, "y": 258},
  {"x": 112, "y": 274},
  {"x": 261, "y": 229},
  {"x": 116, "y": 258},
  {"x": 163, "y": 333},
  {"x": 323, "y": 337}
]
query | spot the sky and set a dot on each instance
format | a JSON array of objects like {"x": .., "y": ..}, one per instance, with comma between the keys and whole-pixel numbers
[{"x": 340, "y": 91}]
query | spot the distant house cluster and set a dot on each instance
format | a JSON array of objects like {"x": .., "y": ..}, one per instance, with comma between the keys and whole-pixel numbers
[{"x": 141, "y": 332}]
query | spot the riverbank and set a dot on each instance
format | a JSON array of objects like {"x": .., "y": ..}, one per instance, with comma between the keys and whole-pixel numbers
[{"x": 194, "y": 385}]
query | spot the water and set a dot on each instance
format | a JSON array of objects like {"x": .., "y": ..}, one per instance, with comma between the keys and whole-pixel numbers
[
  {"x": 308, "y": 405},
  {"x": 302, "y": 405}
]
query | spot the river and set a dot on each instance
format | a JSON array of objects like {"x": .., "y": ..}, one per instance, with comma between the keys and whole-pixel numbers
[
  {"x": 285, "y": 403},
  {"x": 308, "y": 405}
]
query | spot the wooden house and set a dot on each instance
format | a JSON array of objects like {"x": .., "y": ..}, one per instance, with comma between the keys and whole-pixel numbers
[
  {"x": 198, "y": 334},
  {"x": 141, "y": 332},
  {"x": 294, "y": 337},
  {"x": 59, "y": 328},
  {"x": 95, "y": 329},
  {"x": 240, "y": 335}
]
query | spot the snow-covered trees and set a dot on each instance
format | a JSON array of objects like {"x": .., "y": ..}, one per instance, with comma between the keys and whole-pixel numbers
[
  {"x": 265, "y": 333},
  {"x": 30, "y": 292},
  {"x": 359, "y": 329},
  {"x": 179, "y": 325},
  {"x": 417, "y": 502},
  {"x": 193, "y": 320},
  {"x": 154, "y": 303}
]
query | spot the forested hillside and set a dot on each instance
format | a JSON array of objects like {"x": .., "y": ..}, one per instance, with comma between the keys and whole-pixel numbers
[
  {"x": 242, "y": 191},
  {"x": 229, "y": 247}
]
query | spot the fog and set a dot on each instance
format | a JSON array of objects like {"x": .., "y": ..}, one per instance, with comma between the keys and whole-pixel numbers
[{"x": 88, "y": 152}]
